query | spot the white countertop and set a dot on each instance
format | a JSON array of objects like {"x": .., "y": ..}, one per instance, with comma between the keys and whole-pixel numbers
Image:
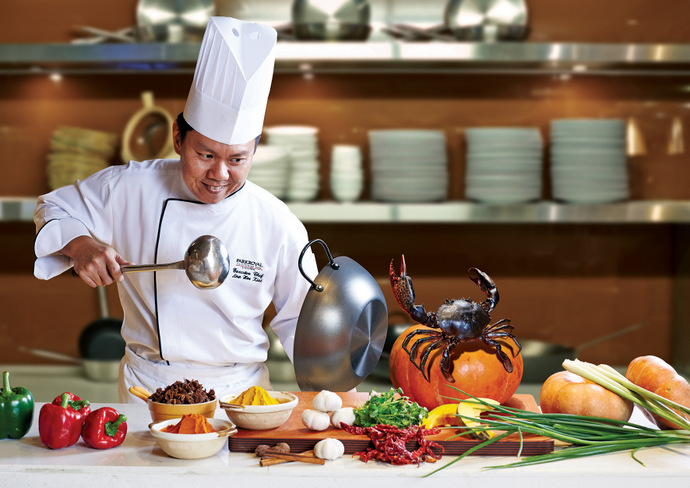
[{"x": 140, "y": 462}]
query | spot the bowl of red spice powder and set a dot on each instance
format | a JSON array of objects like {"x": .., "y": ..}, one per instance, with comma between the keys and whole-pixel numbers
[{"x": 193, "y": 436}]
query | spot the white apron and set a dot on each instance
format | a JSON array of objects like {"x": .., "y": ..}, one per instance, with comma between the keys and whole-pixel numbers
[{"x": 137, "y": 371}]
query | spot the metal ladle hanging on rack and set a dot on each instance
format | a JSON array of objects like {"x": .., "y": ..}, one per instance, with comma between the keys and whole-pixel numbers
[{"x": 206, "y": 263}]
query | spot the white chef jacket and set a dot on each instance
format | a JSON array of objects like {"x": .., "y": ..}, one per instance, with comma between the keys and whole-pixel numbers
[{"x": 148, "y": 215}]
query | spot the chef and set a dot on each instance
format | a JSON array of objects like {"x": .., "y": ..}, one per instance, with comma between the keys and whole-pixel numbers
[{"x": 150, "y": 211}]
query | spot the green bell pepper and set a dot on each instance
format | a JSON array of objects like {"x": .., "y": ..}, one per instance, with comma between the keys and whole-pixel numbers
[{"x": 16, "y": 409}]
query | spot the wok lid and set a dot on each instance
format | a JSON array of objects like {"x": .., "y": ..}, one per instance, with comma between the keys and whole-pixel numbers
[{"x": 341, "y": 328}]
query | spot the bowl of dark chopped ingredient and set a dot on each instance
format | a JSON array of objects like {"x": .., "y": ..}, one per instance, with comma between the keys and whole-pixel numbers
[{"x": 180, "y": 398}]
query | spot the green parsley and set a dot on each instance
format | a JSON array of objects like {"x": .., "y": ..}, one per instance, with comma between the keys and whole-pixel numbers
[{"x": 391, "y": 408}]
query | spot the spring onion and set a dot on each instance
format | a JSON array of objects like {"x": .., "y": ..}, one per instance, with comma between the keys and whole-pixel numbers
[{"x": 584, "y": 435}]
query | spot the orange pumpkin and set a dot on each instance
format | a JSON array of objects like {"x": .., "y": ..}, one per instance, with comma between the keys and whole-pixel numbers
[
  {"x": 566, "y": 392},
  {"x": 475, "y": 368},
  {"x": 656, "y": 375}
]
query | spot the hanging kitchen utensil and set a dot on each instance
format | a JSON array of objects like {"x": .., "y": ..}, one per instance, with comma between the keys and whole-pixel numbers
[
  {"x": 487, "y": 20},
  {"x": 634, "y": 141},
  {"x": 335, "y": 20},
  {"x": 206, "y": 263},
  {"x": 102, "y": 339},
  {"x": 341, "y": 327},
  {"x": 173, "y": 20},
  {"x": 676, "y": 143},
  {"x": 148, "y": 133}
]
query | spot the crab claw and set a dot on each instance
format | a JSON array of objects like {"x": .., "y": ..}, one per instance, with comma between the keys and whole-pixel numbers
[
  {"x": 487, "y": 285},
  {"x": 402, "y": 285}
]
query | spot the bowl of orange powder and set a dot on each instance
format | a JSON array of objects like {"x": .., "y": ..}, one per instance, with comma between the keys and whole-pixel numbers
[
  {"x": 258, "y": 409},
  {"x": 193, "y": 436}
]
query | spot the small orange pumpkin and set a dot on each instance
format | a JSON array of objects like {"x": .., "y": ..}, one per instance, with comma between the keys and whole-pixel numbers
[
  {"x": 475, "y": 368},
  {"x": 566, "y": 392}
]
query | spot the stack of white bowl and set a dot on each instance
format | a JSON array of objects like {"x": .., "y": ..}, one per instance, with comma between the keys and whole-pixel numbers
[
  {"x": 408, "y": 165},
  {"x": 347, "y": 178},
  {"x": 588, "y": 160},
  {"x": 270, "y": 169},
  {"x": 504, "y": 164},
  {"x": 301, "y": 142},
  {"x": 77, "y": 153}
]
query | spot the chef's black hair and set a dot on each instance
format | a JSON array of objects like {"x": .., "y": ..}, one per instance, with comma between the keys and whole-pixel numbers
[{"x": 184, "y": 127}]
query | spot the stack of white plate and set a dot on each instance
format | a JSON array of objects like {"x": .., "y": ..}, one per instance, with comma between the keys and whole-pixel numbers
[
  {"x": 588, "y": 160},
  {"x": 77, "y": 153},
  {"x": 301, "y": 142},
  {"x": 408, "y": 165},
  {"x": 347, "y": 178},
  {"x": 504, "y": 164},
  {"x": 270, "y": 169}
]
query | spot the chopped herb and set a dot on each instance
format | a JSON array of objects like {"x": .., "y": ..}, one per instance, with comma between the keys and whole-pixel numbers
[{"x": 391, "y": 408}]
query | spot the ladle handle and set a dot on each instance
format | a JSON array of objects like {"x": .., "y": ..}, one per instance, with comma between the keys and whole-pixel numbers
[
  {"x": 133, "y": 268},
  {"x": 331, "y": 262}
]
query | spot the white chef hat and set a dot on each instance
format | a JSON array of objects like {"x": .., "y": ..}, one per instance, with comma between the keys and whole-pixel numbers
[{"x": 229, "y": 93}]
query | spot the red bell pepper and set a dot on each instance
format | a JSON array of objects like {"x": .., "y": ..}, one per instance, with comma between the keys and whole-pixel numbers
[
  {"x": 82, "y": 407},
  {"x": 104, "y": 428},
  {"x": 59, "y": 425}
]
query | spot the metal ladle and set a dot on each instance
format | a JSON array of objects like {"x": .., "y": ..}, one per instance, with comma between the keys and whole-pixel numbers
[{"x": 206, "y": 263}]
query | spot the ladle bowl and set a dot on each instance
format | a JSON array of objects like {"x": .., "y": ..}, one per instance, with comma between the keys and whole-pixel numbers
[{"x": 206, "y": 263}]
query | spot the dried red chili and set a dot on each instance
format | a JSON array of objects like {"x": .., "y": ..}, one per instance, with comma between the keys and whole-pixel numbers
[{"x": 390, "y": 444}]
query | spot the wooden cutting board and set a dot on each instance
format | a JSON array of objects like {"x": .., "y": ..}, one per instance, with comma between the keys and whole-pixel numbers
[{"x": 294, "y": 433}]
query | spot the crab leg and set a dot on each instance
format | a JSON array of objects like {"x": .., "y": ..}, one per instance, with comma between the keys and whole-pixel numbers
[
  {"x": 488, "y": 286},
  {"x": 404, "y": 295}
]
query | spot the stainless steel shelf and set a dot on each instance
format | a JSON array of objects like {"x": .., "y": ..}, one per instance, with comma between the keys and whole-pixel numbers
[
  {"x": 369, "y": 57},
  {"x": 640, "y": 212}
]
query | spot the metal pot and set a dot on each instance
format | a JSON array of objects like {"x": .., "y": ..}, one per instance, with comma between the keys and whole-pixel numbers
[
  {"x": 94, "y": 369},
  {"x": 101, "y": 346},
  {"x": 173, "y": 20},
  {"x": 487, "y": 20},
  {"x": 337, "y": 20},
  {"x": 341, "y": 328},
  {"x": 542, "y": 359}
]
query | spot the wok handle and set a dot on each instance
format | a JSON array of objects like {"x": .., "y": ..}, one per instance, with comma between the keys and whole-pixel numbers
[{"x": 331, "y": 262}]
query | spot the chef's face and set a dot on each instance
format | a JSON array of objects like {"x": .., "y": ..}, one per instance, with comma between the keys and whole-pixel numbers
[{"x": 212, "y": 170}]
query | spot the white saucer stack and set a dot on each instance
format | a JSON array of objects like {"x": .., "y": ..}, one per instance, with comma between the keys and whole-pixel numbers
[
  {"x": 301, "y": 142},
  {"x": 347, "y": 177},
  {"x": 270, "y": 169},
  {"x": 504, "y": 164},
  {"x": 408, "y": 165},
  {"x": 588, "y": 160}
]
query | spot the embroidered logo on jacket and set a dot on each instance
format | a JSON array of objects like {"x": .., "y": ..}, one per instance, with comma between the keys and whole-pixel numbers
[{"x": 245, "y": 269}]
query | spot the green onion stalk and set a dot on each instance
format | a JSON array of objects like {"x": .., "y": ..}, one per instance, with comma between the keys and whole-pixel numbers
[{"x": 584, "y": 436}]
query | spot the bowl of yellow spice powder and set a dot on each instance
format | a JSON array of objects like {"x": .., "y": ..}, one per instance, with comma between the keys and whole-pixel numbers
[
  {"x": 191, "y": 437},
  {"x": 258, "y": 409}
]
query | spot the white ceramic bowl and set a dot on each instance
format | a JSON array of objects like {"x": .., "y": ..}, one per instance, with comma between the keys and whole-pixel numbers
[
  {"x": 192, "y": 446},
  {"x": 260, "y": 417}
]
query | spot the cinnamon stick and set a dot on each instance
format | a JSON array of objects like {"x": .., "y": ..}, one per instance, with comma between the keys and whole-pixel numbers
[
  {"x": 270, "y": 461},
  {"x": 270, "y": 456}
]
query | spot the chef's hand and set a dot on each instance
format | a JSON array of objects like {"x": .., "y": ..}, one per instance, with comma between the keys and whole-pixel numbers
[{"x": 96, "y": 264}]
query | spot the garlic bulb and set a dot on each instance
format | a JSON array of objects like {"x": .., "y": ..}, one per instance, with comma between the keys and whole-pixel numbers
[
  {"x": 345, "y": 415},
  {"x": 329, "y": 449},
  {"x": 327, "y": 401},
  {"x": 316, "y": 419}
]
